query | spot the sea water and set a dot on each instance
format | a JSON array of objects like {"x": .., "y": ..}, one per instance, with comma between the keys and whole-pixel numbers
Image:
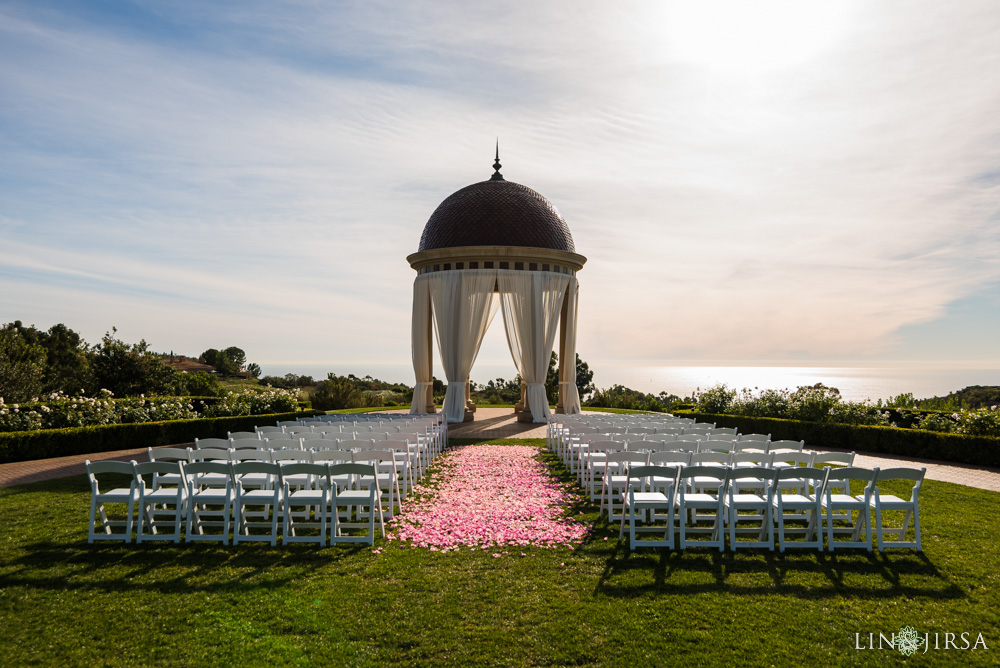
[{"x": 855, "y": 383}]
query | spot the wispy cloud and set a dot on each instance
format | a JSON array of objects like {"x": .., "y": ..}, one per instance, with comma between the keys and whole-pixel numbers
[{"x": 256, "y": 173}]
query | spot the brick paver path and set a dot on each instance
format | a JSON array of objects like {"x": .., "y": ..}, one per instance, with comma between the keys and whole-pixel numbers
[{"x": 496, "y": 423}]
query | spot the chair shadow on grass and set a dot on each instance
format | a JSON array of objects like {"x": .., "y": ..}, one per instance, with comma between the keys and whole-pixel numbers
[
  {"x": 804, "y": 574},
  {"x": 167, "y": 567}
]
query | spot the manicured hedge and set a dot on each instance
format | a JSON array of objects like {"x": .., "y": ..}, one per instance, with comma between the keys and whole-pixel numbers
[
  {"x": 978, "y": 450},
  {"x": 19, "y": 446}
]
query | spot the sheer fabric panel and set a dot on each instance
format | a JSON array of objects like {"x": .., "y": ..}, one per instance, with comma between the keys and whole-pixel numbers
[
  {"x": 423, "y": 365},
  {"x": 463, "y": 306},
  {"x": 531, "y": 303},
  {"x": 569, "y": 392}
]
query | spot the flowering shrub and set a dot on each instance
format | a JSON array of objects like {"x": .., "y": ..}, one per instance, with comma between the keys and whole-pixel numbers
[
  {"x": 981, "y": 422},
  {"x": 715, "y": 400},
  {"x": 813, "y": 404},
  {"x": 254, "y": 401},
  {"x": 489, "y": 496},
  {"x": 769, "y": 403},
  {"x": 938, "y": 422},
  {"x": 824, "y": 404},
  {"x": 59, "y": 410},
  {"x": 858, "y": 412}
]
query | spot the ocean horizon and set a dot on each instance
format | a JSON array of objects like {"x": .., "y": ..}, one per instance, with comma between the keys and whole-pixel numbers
[{"x": 855, "y": 383}]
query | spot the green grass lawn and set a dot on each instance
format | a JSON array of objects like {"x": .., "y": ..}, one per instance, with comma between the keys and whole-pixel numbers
[{"x": 64, "y": 602}]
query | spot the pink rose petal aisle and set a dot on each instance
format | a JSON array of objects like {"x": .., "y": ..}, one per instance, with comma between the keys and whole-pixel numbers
[{"x": 489, "y": 496}]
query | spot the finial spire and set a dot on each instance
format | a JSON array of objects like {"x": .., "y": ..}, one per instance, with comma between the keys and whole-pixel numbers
[{"x": 497, "y": 176}]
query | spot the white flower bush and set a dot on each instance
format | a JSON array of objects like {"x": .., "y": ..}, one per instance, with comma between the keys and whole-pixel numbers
[
  {"x": 254, "y": 401},
  {"x": 59, "y": 410}
]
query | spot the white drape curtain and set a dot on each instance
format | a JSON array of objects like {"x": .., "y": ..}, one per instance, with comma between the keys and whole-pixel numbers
[
  {"x": 531, "y": 303},
  {"x": 569, "y": 392},
  {"x": 464, "y": 306},
  {"x": 423, "y": 365}
]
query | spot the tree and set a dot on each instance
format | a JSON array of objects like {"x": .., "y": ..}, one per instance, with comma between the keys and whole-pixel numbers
[
  {"x": 335, "y": 393},
  {"x": 253, "y": 370},
  {"x": 67, "y": 361},
  {"x": 584, "y": 379},
  {"x": 130, "y": 369},
  {"x": 22, "y": 365},
  {"x": 221, "y": 360},
  {"x": 236, "y": 356},
  {"x": 552, "y": 379},
  {"x": 201, "y": 384}
]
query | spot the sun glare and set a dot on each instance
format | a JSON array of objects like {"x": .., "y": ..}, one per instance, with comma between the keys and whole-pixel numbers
[{"x": 745, "y": 37}]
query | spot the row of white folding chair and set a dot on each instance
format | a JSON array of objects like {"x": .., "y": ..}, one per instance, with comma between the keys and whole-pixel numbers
[
  {"x": 256, "y": 480},
  {"x": 436, "y": 428},
  {"x": 586, "y": 446},
  {"x": 422, "y": 452},
  {"x": 428, "y": 441},
  {"x": 564, "y": 439},
  {"x": 666, "y": 500},
  {"x": 609, "y": 476},
  {"x": 430, "y": 430},
  {"x": 327, "y": 451},
  {"x": 336, "y": 497}
]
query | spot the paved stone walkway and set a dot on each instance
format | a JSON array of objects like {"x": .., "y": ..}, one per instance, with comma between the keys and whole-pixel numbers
[{"x": 493, "y": 423}]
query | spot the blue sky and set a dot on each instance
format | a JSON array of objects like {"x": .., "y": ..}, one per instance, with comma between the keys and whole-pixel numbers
[{"x": 750, "y": 181}]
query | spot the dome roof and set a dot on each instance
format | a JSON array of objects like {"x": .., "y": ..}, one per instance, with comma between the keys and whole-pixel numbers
[{"x": 496, "y": 213}]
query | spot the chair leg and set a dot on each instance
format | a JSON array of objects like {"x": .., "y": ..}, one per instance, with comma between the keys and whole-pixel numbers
[{"x": 878, "y": 525}]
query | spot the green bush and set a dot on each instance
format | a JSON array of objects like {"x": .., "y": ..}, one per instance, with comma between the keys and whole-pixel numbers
[
  {"x": 27, "y": 445},
  {"x": 337, "y": 393},
  {"x": 961, "y": 448},
  {"x": 717, "y": 399},
  {"x": 937, "y": 422}
]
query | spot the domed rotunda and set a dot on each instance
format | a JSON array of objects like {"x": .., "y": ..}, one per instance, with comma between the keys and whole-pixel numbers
[{"x": 495, "y": 245}]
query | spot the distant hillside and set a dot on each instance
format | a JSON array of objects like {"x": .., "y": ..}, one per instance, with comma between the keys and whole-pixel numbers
[{"x": 974, "y": 396}]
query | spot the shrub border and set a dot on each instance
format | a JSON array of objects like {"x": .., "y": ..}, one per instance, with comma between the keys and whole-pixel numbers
[
  {"x": 959, "y": 448},
  {"x": 19, "y": 446}
]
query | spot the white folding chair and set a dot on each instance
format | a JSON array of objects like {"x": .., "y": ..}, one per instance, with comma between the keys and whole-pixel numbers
[
  {"x": 208, "y": 506},
  {"x": 785, "y": 447},
  {"x": 117, "y": 495},
  {"x": 648, "y": 506},
  {"x": 798, "y": 498},
  {"x": 202, "y": 443},
  {"x": 387, "y": 478},
  {"x": 837, "y": 460},
  {"x": 843, "y": 507},
  {"x": 239, "y": 435},
  {"x": 593, "y": 465},
  {"x": 248, "y": 444},
  {"x": 216, "y": 479},
  {"x": 356, "y": 504},
  {"x": 266, "y": 498},
  {"x": 694, "y": 509},
  {"x": 751, "y": 491},
  {"x": 313, "y": 499},
  {"x": 615, "y": 479},
  {"x": 168, "y": 455},
  {"x": 253, "y": 480},
  {"x": 162, "y": 501},
  {"x": 883, "y": 502},
  {"x": 715, "y": 445}
]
